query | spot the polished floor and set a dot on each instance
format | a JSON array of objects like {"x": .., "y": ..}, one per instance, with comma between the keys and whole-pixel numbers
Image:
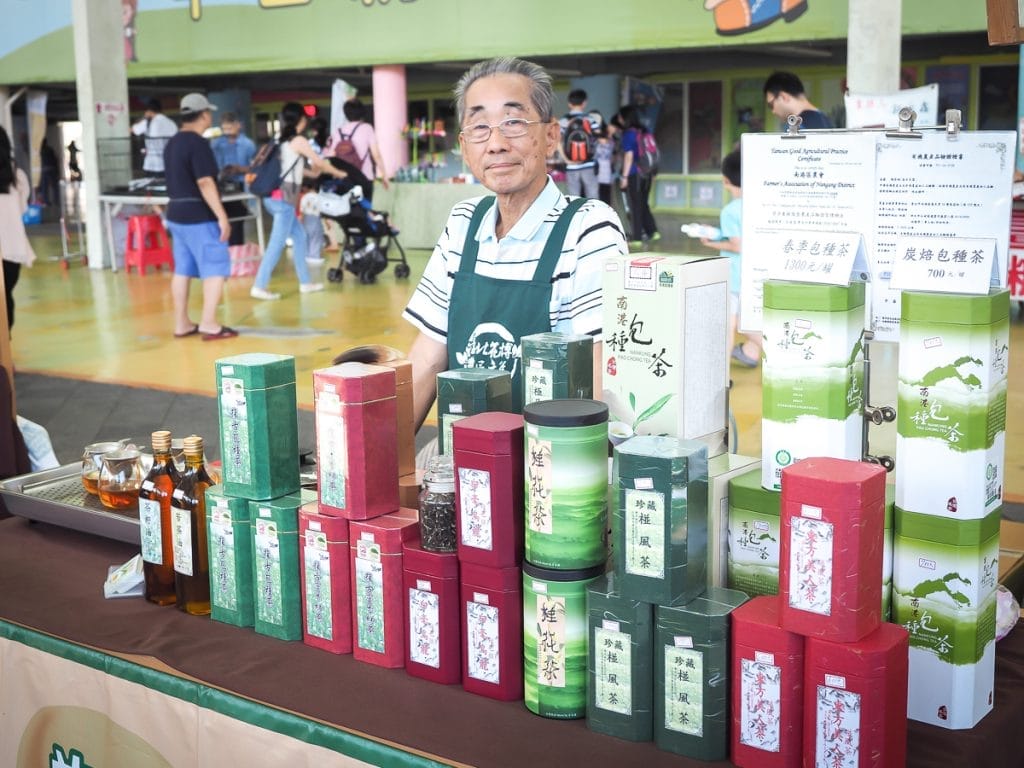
[{"x": 116, "y": 327}]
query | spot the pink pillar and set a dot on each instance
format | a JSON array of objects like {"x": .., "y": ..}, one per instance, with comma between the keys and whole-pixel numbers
[{"x": 390, "y": 114}]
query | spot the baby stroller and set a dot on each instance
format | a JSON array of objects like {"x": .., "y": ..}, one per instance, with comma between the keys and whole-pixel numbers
[{"x": 368, "y": 234}]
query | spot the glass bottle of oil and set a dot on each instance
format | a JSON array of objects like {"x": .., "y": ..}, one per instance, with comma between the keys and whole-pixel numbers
[
  {"x": 188, "y": 525},
  {"x": 155, "y": 522}
]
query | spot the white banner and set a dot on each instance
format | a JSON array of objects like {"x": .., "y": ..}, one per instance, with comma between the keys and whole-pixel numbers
[
  {"x": 881, "y": 110},
  {"x": 35, "y": 105}
]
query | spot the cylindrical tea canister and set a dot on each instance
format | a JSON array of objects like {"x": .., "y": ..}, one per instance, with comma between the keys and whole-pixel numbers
[
  {"x": 566, "y": 483},
  {"x": 555, "y": 640}
]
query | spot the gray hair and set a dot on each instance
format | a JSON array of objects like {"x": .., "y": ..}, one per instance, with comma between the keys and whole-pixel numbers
[{"x": 541, "y": 93}]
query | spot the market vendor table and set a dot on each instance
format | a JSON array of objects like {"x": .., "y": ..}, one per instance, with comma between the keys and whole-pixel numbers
[
  {"x": 420, "y": 210},
  {"x": 51, "y": 604},
  {"x": 111, "y": 203}
]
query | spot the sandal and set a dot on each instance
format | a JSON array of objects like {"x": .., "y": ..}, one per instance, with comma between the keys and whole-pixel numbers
[
  {"x": 193, "y": 332},
  {"x": 223, "y": 333}
]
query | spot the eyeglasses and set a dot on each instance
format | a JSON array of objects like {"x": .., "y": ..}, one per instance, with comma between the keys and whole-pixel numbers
[{"x": 510, "y": 128}]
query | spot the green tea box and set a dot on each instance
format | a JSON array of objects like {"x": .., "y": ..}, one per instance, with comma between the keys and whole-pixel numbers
[
  {"x": 463, "y": 392},
  {"x": 278, "y": 591},
  {"x": 259, "y": 434},
  {"x": 944, "y": 594},
  {"x": 659, "y": 527},
  {"x": 722, "y": 469},
  {"x": 691, "y": 675},
  {"x": 557, "y": 366},
  {"x": 664, "y": 358},
  {"x": 807, "y": 325},
  {"x": 887, "y": 537},
  {"x": 755, "y": 536},
  {"x": 951, "y": 410},
  {"x": 229, "y": 543},
  {"x": 620, "y": 662}
]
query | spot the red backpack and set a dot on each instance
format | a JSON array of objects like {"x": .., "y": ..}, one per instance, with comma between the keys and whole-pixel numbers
[{"x": 345, "y": 148}]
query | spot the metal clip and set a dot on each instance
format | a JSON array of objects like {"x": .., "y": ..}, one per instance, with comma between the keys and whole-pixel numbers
[
  {"x": 793, "y": 123},
  {"x": 905, "y": 129},
  {"x": 954, "y": 122}
]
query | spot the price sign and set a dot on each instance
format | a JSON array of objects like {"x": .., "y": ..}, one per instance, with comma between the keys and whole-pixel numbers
[
  {"x": 945, "y": 264},
  {"x": 830, "y": 258}
]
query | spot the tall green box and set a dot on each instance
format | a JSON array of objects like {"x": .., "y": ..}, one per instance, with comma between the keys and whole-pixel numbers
[
  {"x": 463, "y": 392},
  {"x": 229, "y": 542},
  {"x": 557, "y": 366},
  {"x": 259, "y": 433},
  {"x": 660, "y": 521},
  {"x": 620, "y": 665},
  {"x": 275, "y": 534},
  {"x": 754, "y": 536},
  {"x": 691, "y": 675}
]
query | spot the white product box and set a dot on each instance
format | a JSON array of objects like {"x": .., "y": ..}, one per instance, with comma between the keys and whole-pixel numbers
[
  {"x": 784, "y": 443},
  {"x": 722, "y": 469},
  {"x": 807, "y": 325}
]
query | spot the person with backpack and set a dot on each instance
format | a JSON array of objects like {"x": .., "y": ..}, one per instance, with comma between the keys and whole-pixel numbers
[
  {"x": 293, "y": 151},
  {"x": 639, "y": 166},
  {"x": 580, "y": 130},
  {"x": 355, "y": 142}
]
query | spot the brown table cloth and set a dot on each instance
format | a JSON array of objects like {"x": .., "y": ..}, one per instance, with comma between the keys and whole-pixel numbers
[{"x": 51, "y": 581}]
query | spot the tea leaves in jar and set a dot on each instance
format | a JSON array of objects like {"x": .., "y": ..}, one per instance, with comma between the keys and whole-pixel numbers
[{"x": 437, "y": 506}]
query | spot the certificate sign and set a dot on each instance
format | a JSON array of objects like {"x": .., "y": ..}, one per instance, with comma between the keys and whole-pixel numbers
[
  {"x": 830, "y": 258},
  {"x": 945, "y": 265}
]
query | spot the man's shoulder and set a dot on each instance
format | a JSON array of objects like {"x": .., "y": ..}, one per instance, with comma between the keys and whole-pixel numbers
[{"x": 813, "y": 118}]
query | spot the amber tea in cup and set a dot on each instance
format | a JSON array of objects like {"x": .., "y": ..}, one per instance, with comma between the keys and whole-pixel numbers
[
  {"x": 92, "y": 463},
  {"x": 120, "y": 479}
]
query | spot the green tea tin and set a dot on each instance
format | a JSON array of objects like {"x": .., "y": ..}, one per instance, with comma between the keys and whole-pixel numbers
[
  {"x": 229, "y": 541},
  {"x": 555, "y": 640},
  {"x": 557, "y": 366},
  {"x": 463, "y": 392},
  {"x": 275, "y": 532},
  {"x": 566, "y": 483},
  {"x": 755, "y": 536}
]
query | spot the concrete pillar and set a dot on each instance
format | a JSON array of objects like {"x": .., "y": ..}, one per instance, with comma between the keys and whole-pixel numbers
[
  {"x": 390, "y": 114},
  {"x": 103, "y": 109},
  {"x": 873, "y": 66},
  {"x": 1020, "y": 109}
]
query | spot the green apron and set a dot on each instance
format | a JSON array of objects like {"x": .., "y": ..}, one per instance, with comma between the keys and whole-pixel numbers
[{"x": 487, "y": 317}]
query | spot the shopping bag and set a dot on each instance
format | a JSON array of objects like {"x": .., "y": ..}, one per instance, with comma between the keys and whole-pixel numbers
[{"x": 245, "y": 259}]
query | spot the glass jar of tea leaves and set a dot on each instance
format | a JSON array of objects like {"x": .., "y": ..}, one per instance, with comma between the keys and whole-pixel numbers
[{"x": 437, "y": 506}]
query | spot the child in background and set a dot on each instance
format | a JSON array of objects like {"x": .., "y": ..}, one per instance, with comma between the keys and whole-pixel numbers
[
  {"x": 748, "y": 351},
  {"x": 604, "y": 149}
]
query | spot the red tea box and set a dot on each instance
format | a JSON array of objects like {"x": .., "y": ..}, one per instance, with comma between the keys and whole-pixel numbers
[
  {"x": 767, "y": 688},
  {"x": 855, "y": 700},
  {"x": 830, "y": 559},
  {"x": 326, "y": 588},
  {"x": 356, "y": 440},
  {"x": 404, "y": 414},
  {"x": 488, "y": 451},
  {"x": 378, "y": 598},
  {"x": 492, "y": 631},
  {"x": 432, "y": 640}
]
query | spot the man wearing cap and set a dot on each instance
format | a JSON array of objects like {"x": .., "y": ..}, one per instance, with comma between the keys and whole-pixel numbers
[
  {"x": 157, "y": 128},
  {"x": 197, "y": 221}
]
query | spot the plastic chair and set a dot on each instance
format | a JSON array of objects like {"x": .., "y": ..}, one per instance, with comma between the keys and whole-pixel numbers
[{"x": 147, "y": 244}]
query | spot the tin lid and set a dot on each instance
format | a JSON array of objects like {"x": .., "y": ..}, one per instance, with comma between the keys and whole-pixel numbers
[
  {"x": 871, "y": 657},
  {"x": 476, "y": 576},
  {"x": 834, "y": 482},
  {"x": 550, "y": 574},
  {"x": 705, "y": 618},
  {"x": 685, "y": 457},
  {"x": 551, "y": 344},
  {"x": 335, "y": 527},
  {"x": 356, "y": 382},
  {"x": 258, "y": 370},
  {"x": 390, "y": 530},
  {"x": 442, "y": 565},
  {"x": 494, "y": 432},
  {"x": 955, "y": 308},
  {"x": 812, "y": 297},
  {"x": 947, "y": 530},
  {"x": 217, "y": 498},
  {"x": 755, "y": 624},
  {"x": 566, "y": 413},
  {"x": 284, "y": 510},
  {"x": 745, "y": 492}
]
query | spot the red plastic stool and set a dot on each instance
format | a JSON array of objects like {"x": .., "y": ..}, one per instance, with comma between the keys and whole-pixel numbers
[{"x": 147, "y": 244}]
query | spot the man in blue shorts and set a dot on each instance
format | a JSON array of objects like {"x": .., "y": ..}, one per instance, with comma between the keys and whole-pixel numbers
[{"x": 197, "y": 221}]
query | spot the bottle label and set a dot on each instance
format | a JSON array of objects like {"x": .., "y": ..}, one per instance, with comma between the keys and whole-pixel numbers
[
  {"x": 234, "y": 438},
  {"x": 539, "y": 383},
  {"x": 760, "y": 705},
  {"x": 475, "y": 525},
  {"x": 550, "y": 617},
  {"x": 151, "y": 532},
  {"x": 613, "y": 671},
  {"x": 181, "y": 536},
  {"x": 424, "y": 628},
  {"x": 539, "y": 486},
  {"x": 370, "y": 604},
  {"x": 684, "y": 690},
  {"x": 483, "y": 641},
  {"x": 317, "y": 564},
  {"x": 838, "y": 716},
  {"x": 331, "y": 450},
  {"x": 810, "y": 565},
  {"x": 269, "y": 607},
  {"x": 223, "y": 589},
  {"x": 645, "y": 533}
]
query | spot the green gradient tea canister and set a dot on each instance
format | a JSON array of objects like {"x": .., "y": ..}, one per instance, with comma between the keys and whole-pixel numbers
[
  {"x": 566, "y": 483},
  {"x": 555, "y": 640}
]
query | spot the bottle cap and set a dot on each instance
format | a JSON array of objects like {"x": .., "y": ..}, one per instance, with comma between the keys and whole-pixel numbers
[
  {"x": 193, "y": 445},
  {"x": 161, "y": 441}
]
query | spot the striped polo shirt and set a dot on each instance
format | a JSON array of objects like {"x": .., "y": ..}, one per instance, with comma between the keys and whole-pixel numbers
[{"x": 595, "y": 232}]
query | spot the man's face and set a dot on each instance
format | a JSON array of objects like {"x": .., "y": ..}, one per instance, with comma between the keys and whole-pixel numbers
[
  {"x": 230, "y": 128},
  {"x": 780, "y": 104},
  {"x": 507, "y": 166}
]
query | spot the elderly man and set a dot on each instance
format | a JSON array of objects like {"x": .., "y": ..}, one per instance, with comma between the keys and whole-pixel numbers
[
  {"x": 524, "y": 260},
  {"x": 234, "y": 152},
  {"x": 197, "y": 221}
]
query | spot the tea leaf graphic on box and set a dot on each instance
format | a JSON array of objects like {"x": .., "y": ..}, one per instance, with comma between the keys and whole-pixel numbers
[
  {"x": 933, "y": 586},
  {"x": 651, "y": 411},
  {"x": 943, "y": 372}
]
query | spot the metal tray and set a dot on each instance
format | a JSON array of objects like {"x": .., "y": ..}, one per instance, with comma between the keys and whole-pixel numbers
[{"x": 56, "y": 496}]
